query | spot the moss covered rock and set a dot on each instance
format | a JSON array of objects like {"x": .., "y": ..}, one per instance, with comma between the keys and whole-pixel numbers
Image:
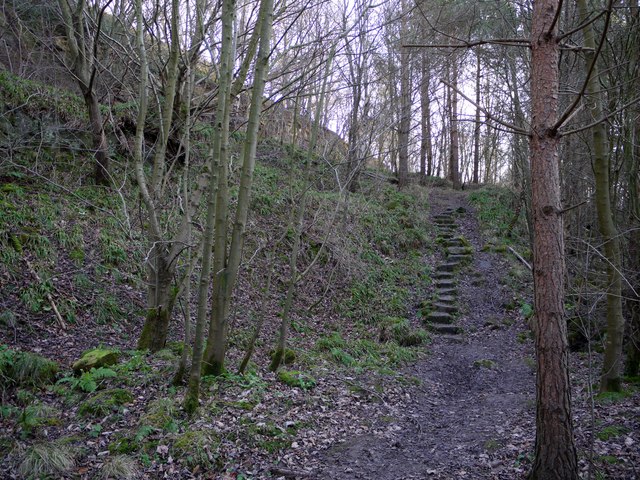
[
  {"x": 96, "y": 358},
  {"x": 105, "y": 402}
]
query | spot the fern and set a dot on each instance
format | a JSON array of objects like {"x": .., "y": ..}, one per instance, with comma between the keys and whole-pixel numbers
[{"x": 88, "y": 381}]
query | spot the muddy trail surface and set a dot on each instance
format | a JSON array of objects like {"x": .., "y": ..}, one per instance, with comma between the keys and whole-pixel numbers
[{"x": 471, "y": 413}]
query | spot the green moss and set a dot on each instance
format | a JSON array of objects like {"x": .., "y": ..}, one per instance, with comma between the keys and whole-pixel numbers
[
  {"x": 287, "y": 357},
  {"x": 123, "y": 445},
  {"x": 612, "y": 397},
  {"x": 485, "y": 363},
  {"x": 96, "y": 358},
  {"x": 612, "y": 431},
  {"x": 105, "y": 402},
  {"x": 196, "y": 448},
  {"x": 296, "y": 379},
  {"x": 160, "y": 414}
]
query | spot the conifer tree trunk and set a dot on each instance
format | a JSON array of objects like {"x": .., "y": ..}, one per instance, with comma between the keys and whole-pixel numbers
[{"x": 555, "y": 452}]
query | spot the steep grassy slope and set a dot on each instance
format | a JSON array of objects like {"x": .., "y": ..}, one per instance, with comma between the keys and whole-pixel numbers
[{"x": 71, "y": 247}]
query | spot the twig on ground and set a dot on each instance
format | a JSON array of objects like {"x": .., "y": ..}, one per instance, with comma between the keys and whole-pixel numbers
[{"x": 519, "y": 257}]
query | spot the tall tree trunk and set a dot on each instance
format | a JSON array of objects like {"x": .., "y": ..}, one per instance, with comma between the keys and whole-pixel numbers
[
  {"x": 632, "y": 365},
  {"x": 404, "y": 125},
  {"x": 217, "y": 158},
  {"x": 280, "y": 349},
  {"x": 612, "y": 364},
  {"x": 217, "y": 340},
  {"x": 426, "y": 150},
  {"x": 476, "y": 130},
  {"x": 555, "y": 452},
  {"x": 161, "y": 264},
  {"x": 454, "y": 152},
  {"x": 84, "y": 68}
]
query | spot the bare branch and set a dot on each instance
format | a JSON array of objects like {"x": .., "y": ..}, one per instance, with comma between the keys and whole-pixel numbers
[
  {"x": 513, "y": 42},
  {"x": 603, "y": 119},
  {"x": 568, "y": 112},
  {"x": 490, "y": 116}
]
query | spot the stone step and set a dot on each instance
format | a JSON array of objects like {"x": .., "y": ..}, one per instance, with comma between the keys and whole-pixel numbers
[
  {"x": 440, "y": 307},
  {"x": 447, "y": 267},
  {"x": 458, "y": 258},
  {"x": 443, "y": 216},
  {"x": 459, "y": 250},
  {"x": 444, "y": 328},
  {"x": 452, "y": 338},
  {"x": 452, "y": 241},
  {"x": 447, "y": 236},
  {"x": 447, "y": 292},
  {"x": 439, "y": 317},
  {"x": 446, "y": 299},
  {"x": 441, "y": 274},
  {"x": 445, "y": 283}
]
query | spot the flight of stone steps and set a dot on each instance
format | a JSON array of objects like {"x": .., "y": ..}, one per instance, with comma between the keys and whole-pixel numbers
[{"x": 442, "y": 310}]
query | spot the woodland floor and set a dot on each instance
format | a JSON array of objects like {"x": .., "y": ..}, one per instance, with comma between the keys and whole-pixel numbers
[
  {"x": 472, "y": 412},
  {"x": 465, "y": 409}
]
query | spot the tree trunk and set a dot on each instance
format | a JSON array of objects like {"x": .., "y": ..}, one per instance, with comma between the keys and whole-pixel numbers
[
  {"x": 612, "y": 364},
  {"x": 404, "y": 125},
  {"x": 476, "y": 130},
  {"x": 217, "y": 158},
  {"x": 454, "y": 154},
  {"x": 83, "y": 67},
  {"x": 100, "y": 144},
  {"x": 161, "y": 298},
  {"x": 555, "y": 452},
  {"x": 426, "y": 150},
  {"x": 217, "y": 342}
]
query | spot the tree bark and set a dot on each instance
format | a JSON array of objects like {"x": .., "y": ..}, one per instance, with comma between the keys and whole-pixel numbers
[
  {"x": 83, "y": 67},
  {"x": 426, "y": 150},
  {"x": 555, "y": 452},
  {"x": 612, "y": 364},
  {"x": 476, "y": 130},
  {"x": 217, "y": 340},
  {"x": 404, "y": 125},
  {"x": 454, "y": 153}
]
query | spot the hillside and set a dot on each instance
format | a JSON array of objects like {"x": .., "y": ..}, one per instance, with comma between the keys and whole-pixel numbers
[{"x": 199, "y": 279}]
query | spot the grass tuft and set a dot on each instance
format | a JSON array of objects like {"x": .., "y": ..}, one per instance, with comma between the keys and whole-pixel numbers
[
  {"x": 46, "y": 459},
  {"x": 120, "y": 467}
]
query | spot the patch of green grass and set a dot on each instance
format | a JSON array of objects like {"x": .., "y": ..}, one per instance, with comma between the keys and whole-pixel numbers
[
  {"x": 612, "y": 397},
  {"x": 121, "y": 467},
  {"x": 161, "y": 414},
  {"x": 611, "y": 431},
  {"x": 485, "y": 363},
  {"x": 196, "y": 448},
  {"x": 45, "y": 460},
  {"x": 107, "y": 309},
  {"x": 105, "y": 402},
  {"x": 495, "y": 207},
  {"x": 25, "y": 369},
  {"x": 296, "y": 379}
]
